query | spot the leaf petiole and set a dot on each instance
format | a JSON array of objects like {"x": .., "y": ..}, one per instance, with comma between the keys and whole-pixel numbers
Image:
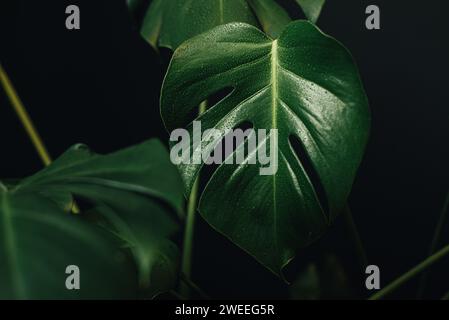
[
  {"x": 24, "y": 117},
  {"x": 361, "y": 254},
  {"x": 411, "y": 273},
  {"x": 190, "y": 223}
]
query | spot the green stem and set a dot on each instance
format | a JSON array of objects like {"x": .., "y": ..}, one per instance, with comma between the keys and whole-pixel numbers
[
  {"x": 24, "y": 117},
  {"x": 189, "y": 231},
  {"x": 361, "y": 254},
  {"x": 27, "y": 123},
  {"x": 434, "y": 244},
  {"x": 410, "y": 274},
  {"x": 192, "y": 204}
]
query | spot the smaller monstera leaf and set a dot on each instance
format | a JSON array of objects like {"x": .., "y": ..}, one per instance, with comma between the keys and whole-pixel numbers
[
  {"x": 306, "y": 86},
  {"x": 137, "y": 191},
  {"x": 39, "y": 241},
  {"x": 311, "y": 8},
  {"x": 168, "y": 23}
]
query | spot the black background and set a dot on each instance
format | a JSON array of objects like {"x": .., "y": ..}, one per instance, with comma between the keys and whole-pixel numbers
[{"x": 100, "y": 86}]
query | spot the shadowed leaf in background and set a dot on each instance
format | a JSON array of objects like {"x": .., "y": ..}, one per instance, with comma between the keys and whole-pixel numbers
[
  {"x": 137, "y": 192},
  {"x": 168, "y": 23}
]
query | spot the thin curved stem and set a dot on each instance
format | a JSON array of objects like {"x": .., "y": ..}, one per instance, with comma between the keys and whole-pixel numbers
[
  {"x": 360, "y": 250},
  {"x": 192, "y": 204},
  {"x": 440, "y": 225},
  {"x": 27, "y": 123},
  {"x": 189, "y": 230},
  {"x": 24, "y": 117},
  {"x": 410, "y": 274},
  {"x": 434, "y": 244}
]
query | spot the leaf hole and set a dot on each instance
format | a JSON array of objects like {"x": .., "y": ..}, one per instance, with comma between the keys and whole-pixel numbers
[
  {"x": 303, "y": 157},
  {"x": 209, "y": 169},
  {"x": 218, "y": 96},
  {"x": 212, "y": 100}
]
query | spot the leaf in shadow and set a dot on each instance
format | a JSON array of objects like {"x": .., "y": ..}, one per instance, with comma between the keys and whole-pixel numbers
[
  {"x": 168, "y": 23},
  {"x": 139, "y": 194},
  {"x": 38, "y": 242}
]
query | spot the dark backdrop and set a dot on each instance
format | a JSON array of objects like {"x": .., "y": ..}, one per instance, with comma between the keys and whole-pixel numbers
[{"x": 100, "y": 86}]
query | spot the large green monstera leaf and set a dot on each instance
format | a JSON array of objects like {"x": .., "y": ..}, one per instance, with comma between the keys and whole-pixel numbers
[
  {"x": 168, "y": 23},
  {"x": 136, "y": 194},
  {"x": 307, "y": 87}
]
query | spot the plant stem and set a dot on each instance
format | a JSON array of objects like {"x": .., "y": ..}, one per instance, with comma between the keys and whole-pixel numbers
[
  {"x": 27, "y": 123},
  {"x": 434, "y": 244},
  {"x": 361, "y": 254},
  {"x": 186, "y": 267},
  {"x": 24, "y": 117},
  {"x": 411, "y": 273},
  {"x": 189, "y": 230},
  {"x": 439, "y": 228}
]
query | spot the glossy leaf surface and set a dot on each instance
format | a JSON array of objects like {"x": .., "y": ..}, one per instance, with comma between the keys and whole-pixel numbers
[{"x": 304, "y": 84}]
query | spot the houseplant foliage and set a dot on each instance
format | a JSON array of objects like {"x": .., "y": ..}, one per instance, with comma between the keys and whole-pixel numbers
[
  {"x": 304, "y": 84},
  {"x": 135, "y": 198},
  {"x": 114, "y": 215},
  {"x": 40, "y": 241},
  {"x": 168, "y": 23}
]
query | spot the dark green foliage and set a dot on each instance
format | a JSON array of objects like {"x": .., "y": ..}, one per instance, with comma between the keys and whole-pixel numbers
[{"x": 138, "y": 194}]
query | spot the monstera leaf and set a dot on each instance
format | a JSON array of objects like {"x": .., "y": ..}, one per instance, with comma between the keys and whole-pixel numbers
[
  {"x": 307, "y": 87},
  {"x": 145, "y": 169},
  {"x": 39, "y": 241},
  {"x": 311, "y": 8},
  {"x": 138, "y": 194},
  {"x": 168, "y": 23}
]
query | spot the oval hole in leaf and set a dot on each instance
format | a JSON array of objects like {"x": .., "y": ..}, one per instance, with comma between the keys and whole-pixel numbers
[
  {"x": 219, "y": 96},
  {"x": 208, "y": 169},
  {"x": 302, "y": 156}
]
